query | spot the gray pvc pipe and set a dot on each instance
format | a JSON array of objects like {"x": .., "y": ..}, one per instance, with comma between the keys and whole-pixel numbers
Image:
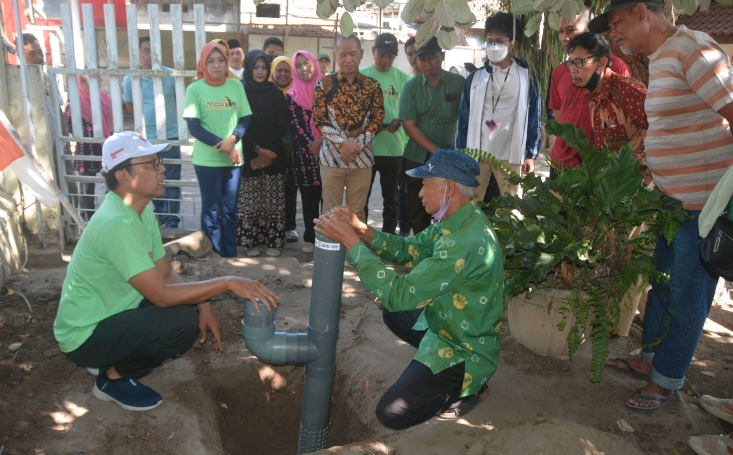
[
  {"x": 323, "y": 329},
  {"x": 316, "y": 349}
]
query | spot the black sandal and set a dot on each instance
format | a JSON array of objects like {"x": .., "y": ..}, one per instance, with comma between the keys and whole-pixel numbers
[
  {"x": 649, "y": 409},
  {"x": 629, "y": 370},
  {"x": 467, "y": 405}
]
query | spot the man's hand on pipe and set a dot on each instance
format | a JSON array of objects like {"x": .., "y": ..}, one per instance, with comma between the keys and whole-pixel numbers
[
  {"x": 345, "y": 212},
  {"x": 208, "y": 321},
  {"x": 250, "y": 289},
  {"x": 337, "y": 229}
]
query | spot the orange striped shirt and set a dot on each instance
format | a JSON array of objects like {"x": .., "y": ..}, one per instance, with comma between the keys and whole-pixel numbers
[{"x": 689, "y": 145}]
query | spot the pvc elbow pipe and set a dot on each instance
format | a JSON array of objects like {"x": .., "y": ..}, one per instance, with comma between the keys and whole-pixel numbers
[{"x": 258, "y": 331}]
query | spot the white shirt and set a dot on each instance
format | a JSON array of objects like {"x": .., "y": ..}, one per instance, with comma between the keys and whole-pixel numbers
[
  {"x": 498, "y": 141},
  {"x": 238, "y": 72}
]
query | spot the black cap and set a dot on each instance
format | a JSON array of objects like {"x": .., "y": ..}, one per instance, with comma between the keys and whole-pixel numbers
[
  {"x": 323, "y": 55},
  {"x": 432, "y": 47},
  {"x": 386, "y": 43},
  {"x": 599, "y": 24},
  {"x": 233, "y": 44}
]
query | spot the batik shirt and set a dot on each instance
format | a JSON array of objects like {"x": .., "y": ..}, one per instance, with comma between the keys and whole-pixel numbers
[
  {"x": 618, "y": 116},
  {"x": 303, "y": 169},
  {"x": 347, "y": 111},
  {"x": 458, "y": 279}
]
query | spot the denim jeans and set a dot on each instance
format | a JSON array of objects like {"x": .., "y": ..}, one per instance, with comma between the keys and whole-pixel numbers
[
  {"x": 683, "y": 303},
  {"x": 168, "y": 209},
  {"x": 219, "y": 187}
]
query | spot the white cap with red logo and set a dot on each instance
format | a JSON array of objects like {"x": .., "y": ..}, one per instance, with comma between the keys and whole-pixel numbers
[{"x": 125, "y": 145}]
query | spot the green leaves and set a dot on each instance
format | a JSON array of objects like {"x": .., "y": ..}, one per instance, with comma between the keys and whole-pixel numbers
[
  {"x": 346, "y": 24},
  {"x": 533, "y": 24},
  {"x": 575, "y": 230},
  {"x": 689, "y": 6}
]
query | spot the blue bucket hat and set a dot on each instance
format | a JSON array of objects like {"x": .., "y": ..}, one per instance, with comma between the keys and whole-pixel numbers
[{"x": 451, "y": 165}]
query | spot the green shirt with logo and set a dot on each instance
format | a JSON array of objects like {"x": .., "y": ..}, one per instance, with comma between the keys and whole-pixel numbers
[
  {"x": 434, "y": 108},
  {"x": 219, "y": 109},
  {"x": 386, "y": 143},
  {"x": 116, "y": 245},
  {"x": 457, "y": 278}
]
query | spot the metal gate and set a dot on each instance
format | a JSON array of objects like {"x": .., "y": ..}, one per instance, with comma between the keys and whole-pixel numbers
[{"x": 70, "y": 182}]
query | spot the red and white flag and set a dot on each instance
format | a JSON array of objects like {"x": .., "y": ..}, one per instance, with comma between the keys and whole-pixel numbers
[{"x": 25, "y": 168}]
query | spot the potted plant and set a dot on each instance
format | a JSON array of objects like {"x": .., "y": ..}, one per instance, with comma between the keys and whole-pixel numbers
[{"x": 571, "y": 237}]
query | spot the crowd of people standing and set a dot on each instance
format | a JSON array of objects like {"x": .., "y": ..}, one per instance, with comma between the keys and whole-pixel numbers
[{"x": 267, "y": 126}]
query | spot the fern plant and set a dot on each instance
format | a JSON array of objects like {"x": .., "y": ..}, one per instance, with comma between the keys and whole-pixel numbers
[{"x": 574, "y": 233}]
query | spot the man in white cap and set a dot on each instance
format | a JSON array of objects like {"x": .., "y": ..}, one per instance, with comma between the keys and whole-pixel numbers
[{"x": 123, "y": 310}]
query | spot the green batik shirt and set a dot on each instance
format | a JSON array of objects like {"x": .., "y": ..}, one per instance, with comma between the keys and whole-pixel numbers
[{"x": 457, "y": 277}]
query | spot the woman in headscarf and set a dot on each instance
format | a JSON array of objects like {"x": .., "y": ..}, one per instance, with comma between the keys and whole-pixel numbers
[
  {"x": 303, "y": 171},
  {"x": 225, "y": 45},
  {"x": 282, "y": 73},
  {"x": 217, "y": 113},
  {"x": 459, "y": 70},
  {"x": 282, "y": 76},
  {"x": 261, "y": 202},
  {"x": 90, "y": 168}
]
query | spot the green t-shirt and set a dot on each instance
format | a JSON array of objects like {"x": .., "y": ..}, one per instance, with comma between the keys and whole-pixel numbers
[
  {"x": 219, "y": 109},
  {"x": 116, "y": 245},
  {"x": 386, "y": 143}
]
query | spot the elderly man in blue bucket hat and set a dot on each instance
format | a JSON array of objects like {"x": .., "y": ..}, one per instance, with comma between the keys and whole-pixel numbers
[{"x": 448, "y": 306}]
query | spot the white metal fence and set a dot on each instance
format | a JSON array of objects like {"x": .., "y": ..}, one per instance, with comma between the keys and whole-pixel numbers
[{"x": 69, "y": 182}]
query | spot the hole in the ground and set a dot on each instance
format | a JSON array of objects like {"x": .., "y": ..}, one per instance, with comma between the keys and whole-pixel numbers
[{"x": 258, "y": 410}]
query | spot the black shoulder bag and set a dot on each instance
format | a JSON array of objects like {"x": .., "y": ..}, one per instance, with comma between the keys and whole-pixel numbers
[{"x": 716, "y": 250}]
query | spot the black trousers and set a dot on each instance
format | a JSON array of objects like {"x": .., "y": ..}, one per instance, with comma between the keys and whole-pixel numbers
[
  {"x": 421, "y": 220},
  {"x": 418, "y": 395},
  {"x": 389, "y": 178},
  {"x": 405, "y": 214},
  {"x": 138, "y": 341},
  {"x": 310, "y": 196},
  {"x": 291, "y": 206},
  {"x": 553, "y": 173}
]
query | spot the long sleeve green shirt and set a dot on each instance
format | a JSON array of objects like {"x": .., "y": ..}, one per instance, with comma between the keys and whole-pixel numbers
[{"x": 457, "y": 277}]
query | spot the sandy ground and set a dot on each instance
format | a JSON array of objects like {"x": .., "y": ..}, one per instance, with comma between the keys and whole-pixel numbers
[{"x": 232, "y": 403}]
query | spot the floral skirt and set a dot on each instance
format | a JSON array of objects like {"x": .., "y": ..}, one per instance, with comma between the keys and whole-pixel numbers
[{"x": 261, "y": 211}]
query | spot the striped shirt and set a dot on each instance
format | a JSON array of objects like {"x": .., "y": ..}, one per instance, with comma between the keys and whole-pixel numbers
[
  {"x": 689, "y": 145},
  {"x": 434, "y": 108}
]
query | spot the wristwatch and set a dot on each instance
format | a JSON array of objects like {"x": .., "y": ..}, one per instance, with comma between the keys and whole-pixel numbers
[{"x": 236, "y": 136}]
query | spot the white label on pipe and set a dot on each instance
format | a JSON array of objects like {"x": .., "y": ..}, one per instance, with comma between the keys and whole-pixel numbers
[{"x": 328, "y": 246}]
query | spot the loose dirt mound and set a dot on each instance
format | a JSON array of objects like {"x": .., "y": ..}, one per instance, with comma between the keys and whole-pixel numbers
[{"x": 554, "y": 437}]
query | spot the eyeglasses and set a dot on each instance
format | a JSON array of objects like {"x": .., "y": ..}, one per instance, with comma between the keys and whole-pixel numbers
[
  {"x": 578, "y": 62},
  {"x": 505, "y": 41},
  {"x": 156, "y": 162}
]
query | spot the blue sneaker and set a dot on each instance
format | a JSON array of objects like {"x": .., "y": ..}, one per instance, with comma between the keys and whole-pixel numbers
[{"x": 127, "y": 393}]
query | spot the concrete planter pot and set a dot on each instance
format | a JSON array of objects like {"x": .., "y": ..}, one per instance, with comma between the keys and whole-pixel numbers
[{"x": 536, "y": 329}]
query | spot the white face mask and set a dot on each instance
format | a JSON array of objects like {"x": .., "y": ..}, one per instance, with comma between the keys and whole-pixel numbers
[{"x": 496, "y": 52}]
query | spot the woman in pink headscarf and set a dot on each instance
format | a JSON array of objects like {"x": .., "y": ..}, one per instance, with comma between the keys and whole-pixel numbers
[
  {"x": 303, "y": 170},
  {"x": 86, "y": 201}
]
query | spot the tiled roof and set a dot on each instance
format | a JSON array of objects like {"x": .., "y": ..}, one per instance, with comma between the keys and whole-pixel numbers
[{"x": 717, "y": 21}]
